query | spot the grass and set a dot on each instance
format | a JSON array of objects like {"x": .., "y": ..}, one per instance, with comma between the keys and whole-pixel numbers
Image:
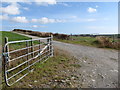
[
  {"x": 12, "y": 36},
  {"x": 88, "y": 41},
  {"x": 15, "y": 37}
]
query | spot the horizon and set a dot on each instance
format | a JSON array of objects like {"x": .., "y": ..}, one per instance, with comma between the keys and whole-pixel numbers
[
  {"x": 61, "y": 17},
  {"x": 77, "y": 33}
]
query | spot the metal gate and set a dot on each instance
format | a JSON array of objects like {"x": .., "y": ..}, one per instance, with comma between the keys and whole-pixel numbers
[{"x": 20, "y": 57}]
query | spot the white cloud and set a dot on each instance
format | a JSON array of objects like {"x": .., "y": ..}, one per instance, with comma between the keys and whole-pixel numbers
[
  {"x": 12, "y": 9},
  {"x": 105, "y": 19},
  {"x": 36, "y": 26},
  {"x": 91, "y": 10},
  {"x": 24, "y": 26},
  {"x": 45, "y": 2},
  {"x": 25, "y": 8},
  {"x": 11, "y": 1},
  {"x": 34, "y": 20},
  {"x": 4, "y": 17},
  {"x": 91, "y": 20},
  {"x": 20, "y": 19},
  {"x": 46, "y": 20},
  {"x": 96, "y": 6},
  {"x": 60, "y": 21},
  {"x": 64, "y": 4},
  {"x": 73, "y": 17}
]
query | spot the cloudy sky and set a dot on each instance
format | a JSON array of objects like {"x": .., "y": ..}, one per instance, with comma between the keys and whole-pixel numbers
[{"x": 61, "y": 17}]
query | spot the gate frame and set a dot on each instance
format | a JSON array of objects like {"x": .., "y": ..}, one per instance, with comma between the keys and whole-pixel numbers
[{"x": 6, "y": 58}]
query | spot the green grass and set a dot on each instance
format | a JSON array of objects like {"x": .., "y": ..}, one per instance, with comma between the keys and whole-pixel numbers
[
  {"x": 15, "y": 37},
  {"x": 88, "y": 41},
  {"x": 12, "y": 36}
]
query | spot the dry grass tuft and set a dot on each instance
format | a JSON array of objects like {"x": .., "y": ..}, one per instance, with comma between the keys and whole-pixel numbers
[{"x": 107, "y": 43}]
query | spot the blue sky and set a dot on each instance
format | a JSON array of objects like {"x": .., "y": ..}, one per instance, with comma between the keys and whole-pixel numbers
[{"x": 61, "y": 17}]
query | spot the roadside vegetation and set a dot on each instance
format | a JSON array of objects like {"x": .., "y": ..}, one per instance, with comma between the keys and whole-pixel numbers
[
  {"x": 80, "y": 40},
  {"x": 98, "y": 41}
]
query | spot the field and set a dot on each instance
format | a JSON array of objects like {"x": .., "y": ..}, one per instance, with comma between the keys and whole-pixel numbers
[
  {"x": 11, "y": 36},
  {"x": 89, "y": 41},
  {"x": 46, "y": 72},
  {"x": 93, "y": 41}
]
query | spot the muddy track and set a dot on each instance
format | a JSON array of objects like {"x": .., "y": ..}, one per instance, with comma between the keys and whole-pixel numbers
[{"x": 99, "y": 67}]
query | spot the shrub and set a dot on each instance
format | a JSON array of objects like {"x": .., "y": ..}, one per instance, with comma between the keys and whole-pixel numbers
[{"x": 61, "y": 36}]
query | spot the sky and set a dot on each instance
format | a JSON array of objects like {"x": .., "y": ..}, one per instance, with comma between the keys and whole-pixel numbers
[{"x": 60, "y": 17}]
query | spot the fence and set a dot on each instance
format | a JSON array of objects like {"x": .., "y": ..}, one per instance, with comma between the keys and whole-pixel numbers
[{"x": 20, "y": 57}]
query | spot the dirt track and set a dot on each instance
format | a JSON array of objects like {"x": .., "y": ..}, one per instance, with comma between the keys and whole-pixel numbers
[{"x": 99, "y": 67}]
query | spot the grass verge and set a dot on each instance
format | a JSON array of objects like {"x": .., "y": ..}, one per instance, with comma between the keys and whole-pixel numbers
[{"x": 56, "y": 72}]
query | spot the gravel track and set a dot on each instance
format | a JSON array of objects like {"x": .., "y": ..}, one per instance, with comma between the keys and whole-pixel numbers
[{"x": 99, "y": 67}]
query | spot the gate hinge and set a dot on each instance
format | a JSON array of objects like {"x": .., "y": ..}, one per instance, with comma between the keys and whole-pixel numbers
[{"x": 6, "y": 56}]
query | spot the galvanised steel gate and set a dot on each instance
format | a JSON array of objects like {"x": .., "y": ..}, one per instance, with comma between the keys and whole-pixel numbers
[{"x": 21, "y": 56}]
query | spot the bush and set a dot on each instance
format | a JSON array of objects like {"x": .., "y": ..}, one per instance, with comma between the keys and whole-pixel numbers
[{"x": 61, "y": 36}]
